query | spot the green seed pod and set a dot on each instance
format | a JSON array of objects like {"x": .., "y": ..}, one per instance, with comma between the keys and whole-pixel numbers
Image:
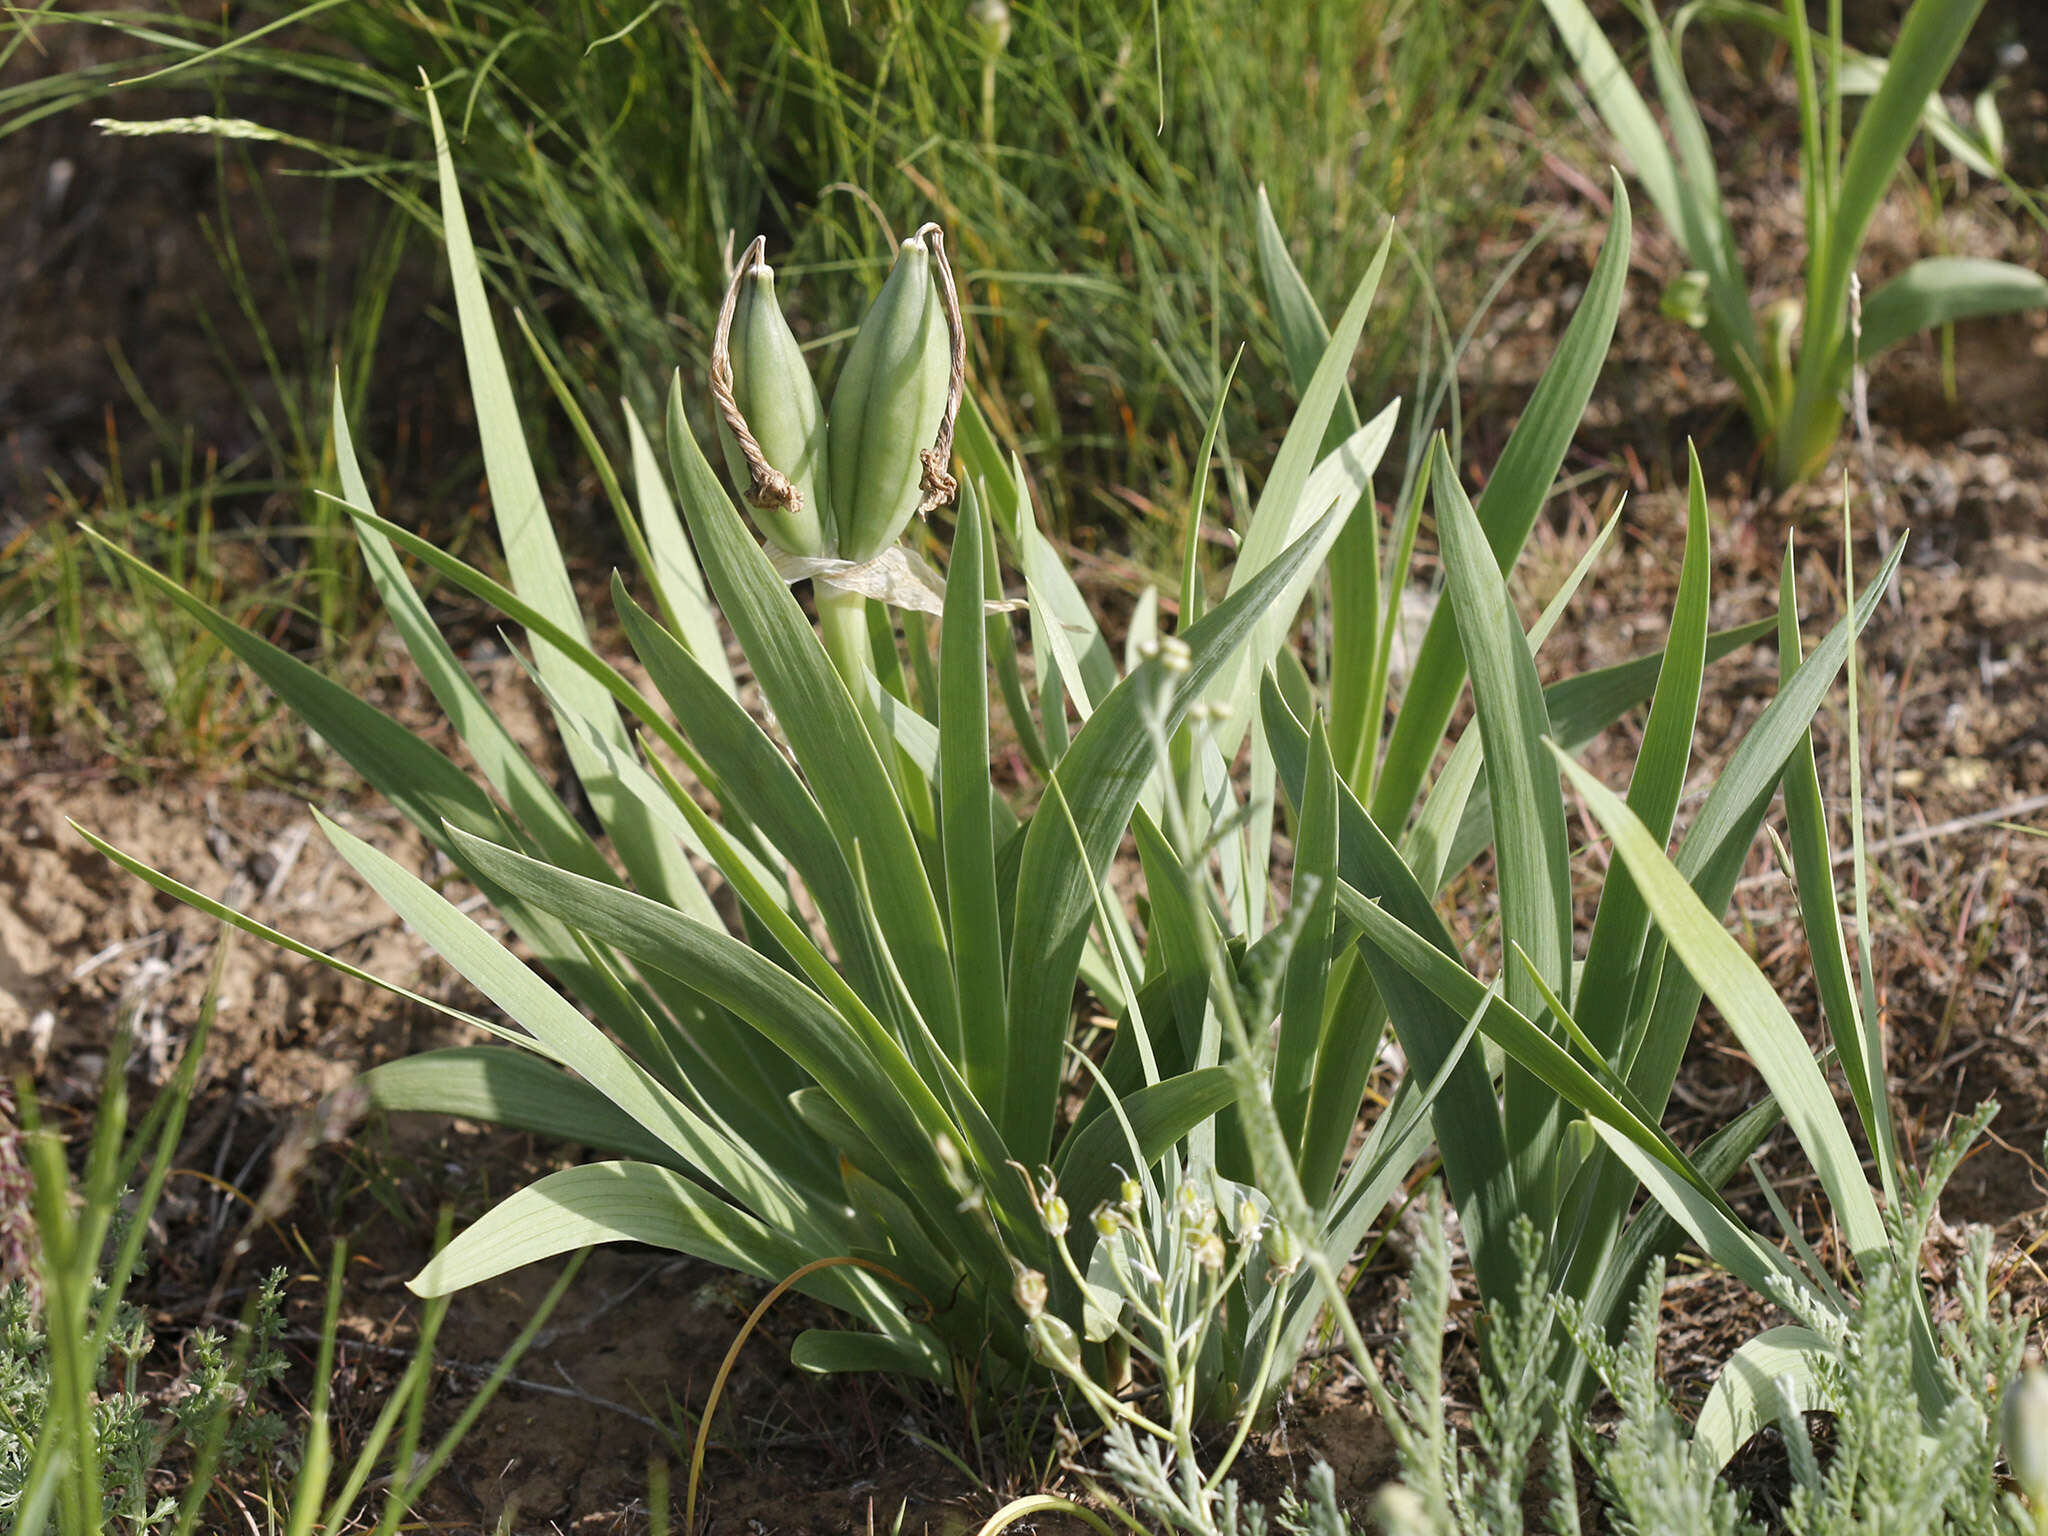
[
  {"x": 1029, "y": 1291},
  {"x": 1053, "y": 1342},
  {"x": 1248, "y": 1220},
  {"x": 888, "y": 406},
  {"x": 1283, "y": 1251},
  {"x": 770, "y": 419},
  {"x": 1055, "y": 1215}
]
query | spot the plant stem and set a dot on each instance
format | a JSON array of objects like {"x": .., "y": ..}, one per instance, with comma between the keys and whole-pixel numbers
[{"x": 843, "y": 626}]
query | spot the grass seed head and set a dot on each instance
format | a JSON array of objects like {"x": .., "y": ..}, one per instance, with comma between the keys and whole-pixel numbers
[{"x": 989, "y": 21}]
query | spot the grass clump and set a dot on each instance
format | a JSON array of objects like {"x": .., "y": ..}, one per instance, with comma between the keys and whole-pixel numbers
[
  {"x": 882, "y": 1069},
  {"x": 1792, "y": 360},
  {"x": 886, "y": 1074},
  {"x": 88, "y": 1448},
  {"x": 1098, "y": 154},
  {"x": 1095, "y": 158},
  {"x": 802, "y": 968}
]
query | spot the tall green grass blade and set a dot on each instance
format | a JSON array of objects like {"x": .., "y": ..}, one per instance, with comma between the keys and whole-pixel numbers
[
  {"x": 969, "y": 833},
  {"x": 1929, "y": 41},
  {"x": 518, "y": 1090},
  {"x": 1304, "y": 337},
  {"x": 1817, "y": 171},
  {"x": 672, "y": 570},
  {"x": 1194, "y": 597},
  {"x": 1532, "y": 858},
  {"x": 1820, "y": 915},
  {"x": 1466, "y": 1115},
  {"x": 1100, "y": 778},
  {"x": 1302, "y": 483},
  {"x": 531, "y": 552},
  {"x": 199, "y": 901},
  {"x": 498, "y": 757},
  {"x": 1445, "y": 830},
  {"x": 1005, "y": 497},
  {"x": 1943, "y": 289},
  {"x": 841, "y": 762},
  {"x": 1072, "y": 657},
  {"x": 1304, "y": 992},
  {"x": 1174, "y": 957},
  {"x": 624, "y": 773},
  {"x": 1614, "y": 951},
  {"x": 1753, "y": 1011},
  {"x": 1345, "y": 478},
  {"x": 697, "y": 1053},
  {"x": 1582, "y": 707},
  {"x": 1507, "y": 510},
  {"x": 1355, "y": 658}
]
